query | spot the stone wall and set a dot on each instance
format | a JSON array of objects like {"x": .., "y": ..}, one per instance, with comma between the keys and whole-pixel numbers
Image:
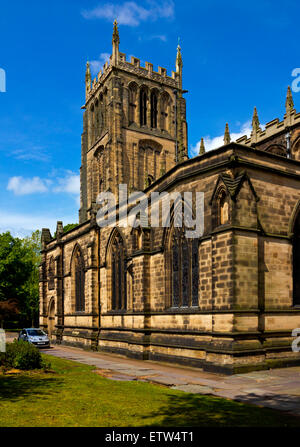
[{"x": 245, "y": 315}]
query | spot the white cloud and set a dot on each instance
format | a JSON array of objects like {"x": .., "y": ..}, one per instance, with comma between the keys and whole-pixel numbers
[
  {"x": 97, "y": 65},
  {"x": 21, "y": 186},
  {"x": 215, "y": 142},
  {"x": 21, "y": 225},
  {"x": 69, "y": 183},
  {"x": 130, "y": 13},
  {"x": 36, "y": 153},
  {"x": 161, "y": 37}
]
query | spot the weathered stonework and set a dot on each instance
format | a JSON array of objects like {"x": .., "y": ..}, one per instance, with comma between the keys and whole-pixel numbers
[{"x": 247, "y": 272}]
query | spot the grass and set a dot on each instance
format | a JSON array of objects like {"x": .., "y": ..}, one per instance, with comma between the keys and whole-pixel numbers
[{"x": 73, "y": 396}]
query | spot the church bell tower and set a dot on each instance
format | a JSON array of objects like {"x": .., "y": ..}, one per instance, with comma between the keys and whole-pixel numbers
[{"x": 134, "y": 126}]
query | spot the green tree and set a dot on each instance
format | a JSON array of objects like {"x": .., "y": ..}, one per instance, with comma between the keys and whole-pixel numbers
[
  {"x": 14, "y": 267},
  {"x": 19, "y": 275},
  {"x": 32, "y": 246},
  {"x": 67, "y": 227}
]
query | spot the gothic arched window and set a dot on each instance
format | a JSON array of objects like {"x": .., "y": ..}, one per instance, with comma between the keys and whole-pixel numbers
[
  {"x": 118, "y": 274},
  {"x": 51, "y": 273},
  {"x": 296, "y": 149},
  {"x": 184, "y": 270},
  {"x": 153, "y": 110},
  {"x": 223, "y": 208},
  {"x": 143, "y": 108},
  {"x": 79, "y": 277},
  {"x": 277, "y": 150},
  {"x": 296, "y": 263}
]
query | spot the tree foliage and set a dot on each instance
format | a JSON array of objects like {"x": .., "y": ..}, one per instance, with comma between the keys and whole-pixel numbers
[
  {"x": 33, "y": 248},
  {"x": 68, "y": 227},
  {"x": 19, "y": 275}
]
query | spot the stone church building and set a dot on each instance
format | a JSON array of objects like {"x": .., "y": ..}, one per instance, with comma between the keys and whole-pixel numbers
[{"x": 227, "y": 301}]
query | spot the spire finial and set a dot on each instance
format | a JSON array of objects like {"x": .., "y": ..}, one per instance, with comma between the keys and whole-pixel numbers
[
  {"x": 116, "y": 37},
  {"x": 179, "y": 63},
  {"x": 255, "y": 121},
  {"x": 289, "y": 103},
  {"x": 88, "y": 76},
  {"x": 227, "y": 138},
  {"x": 115, "y": 44},
  {"x": 202, "y": 147}
]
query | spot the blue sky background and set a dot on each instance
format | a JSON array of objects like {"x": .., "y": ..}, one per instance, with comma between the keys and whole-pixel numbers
[{"x": 236, "y": 55}]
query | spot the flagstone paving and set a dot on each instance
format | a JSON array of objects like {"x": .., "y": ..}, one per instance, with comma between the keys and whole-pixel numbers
[{"x": 278, "y": 388}]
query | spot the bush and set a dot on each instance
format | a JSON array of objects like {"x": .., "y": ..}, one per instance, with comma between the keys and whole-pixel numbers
[{"x": 22, "y": 355}]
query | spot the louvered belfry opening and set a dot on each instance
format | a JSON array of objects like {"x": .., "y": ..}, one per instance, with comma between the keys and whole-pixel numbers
[
  {"x": 154, "y": 110},
  {"x": 143, "y": 108}
]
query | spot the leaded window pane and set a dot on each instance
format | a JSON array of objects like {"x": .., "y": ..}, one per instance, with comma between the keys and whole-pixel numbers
[
  {"x": 185, "y": 270},
  {"x": 51, "y": 281},
  {"x": 124, "y": 286},
  {"x": 118, "y": 276},
  {"x": 113, "y": 304},
  {"x": 120, "y": 283},
  {"x": 185, "y": 273},
  {"x": 195, "y": 273},
  {"x": 79, "y": 283},
  {"x": 175, "y": 275}
]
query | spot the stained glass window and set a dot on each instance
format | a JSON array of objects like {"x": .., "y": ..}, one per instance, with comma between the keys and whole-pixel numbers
[
  {"x": 51, "y": 281},
  {"x": 118, "y": 275},
  {"x": 113, "y": 281},
  {"x": 185, "y": 270},
  {"x": 185, "y": 261},
  {"x": 175, "y": 273},
  {"x": 296, "y": 263},
  {"x": 195, "y": 273},
  {"x": 79, "y": 282}
]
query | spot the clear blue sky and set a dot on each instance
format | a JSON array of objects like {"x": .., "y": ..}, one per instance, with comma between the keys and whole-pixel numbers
[{"x": 236, "y": 55}]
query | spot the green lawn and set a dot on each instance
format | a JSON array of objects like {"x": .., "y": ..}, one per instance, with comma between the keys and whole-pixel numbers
[{"x": 73, "y": 396}]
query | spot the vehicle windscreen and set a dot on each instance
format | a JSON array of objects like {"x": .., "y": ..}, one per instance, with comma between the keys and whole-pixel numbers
[{"x": 35, "y": 333}]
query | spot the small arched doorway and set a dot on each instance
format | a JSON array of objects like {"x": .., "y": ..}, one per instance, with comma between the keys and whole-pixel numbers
[
  {"x": 51, "y": 318},
  {"x": 296, "y": 262}
]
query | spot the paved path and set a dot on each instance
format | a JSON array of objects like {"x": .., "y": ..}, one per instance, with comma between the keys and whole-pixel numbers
[{"x": 277, "y": 388}]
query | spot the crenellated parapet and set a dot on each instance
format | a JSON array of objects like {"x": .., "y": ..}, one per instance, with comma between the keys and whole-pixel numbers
[
  {"x": 271, "y": 129},
  {"x": 277, "y": 136},
  {"x": 134, "y": 67},
  {"x": 118, "y": 61}
]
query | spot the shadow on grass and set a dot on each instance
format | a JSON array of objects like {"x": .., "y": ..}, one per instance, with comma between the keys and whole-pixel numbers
[
  {"x": 285, "y": 402},
  {"x": 14, "y": 387},
  {"x": 192, "y": 410}
]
